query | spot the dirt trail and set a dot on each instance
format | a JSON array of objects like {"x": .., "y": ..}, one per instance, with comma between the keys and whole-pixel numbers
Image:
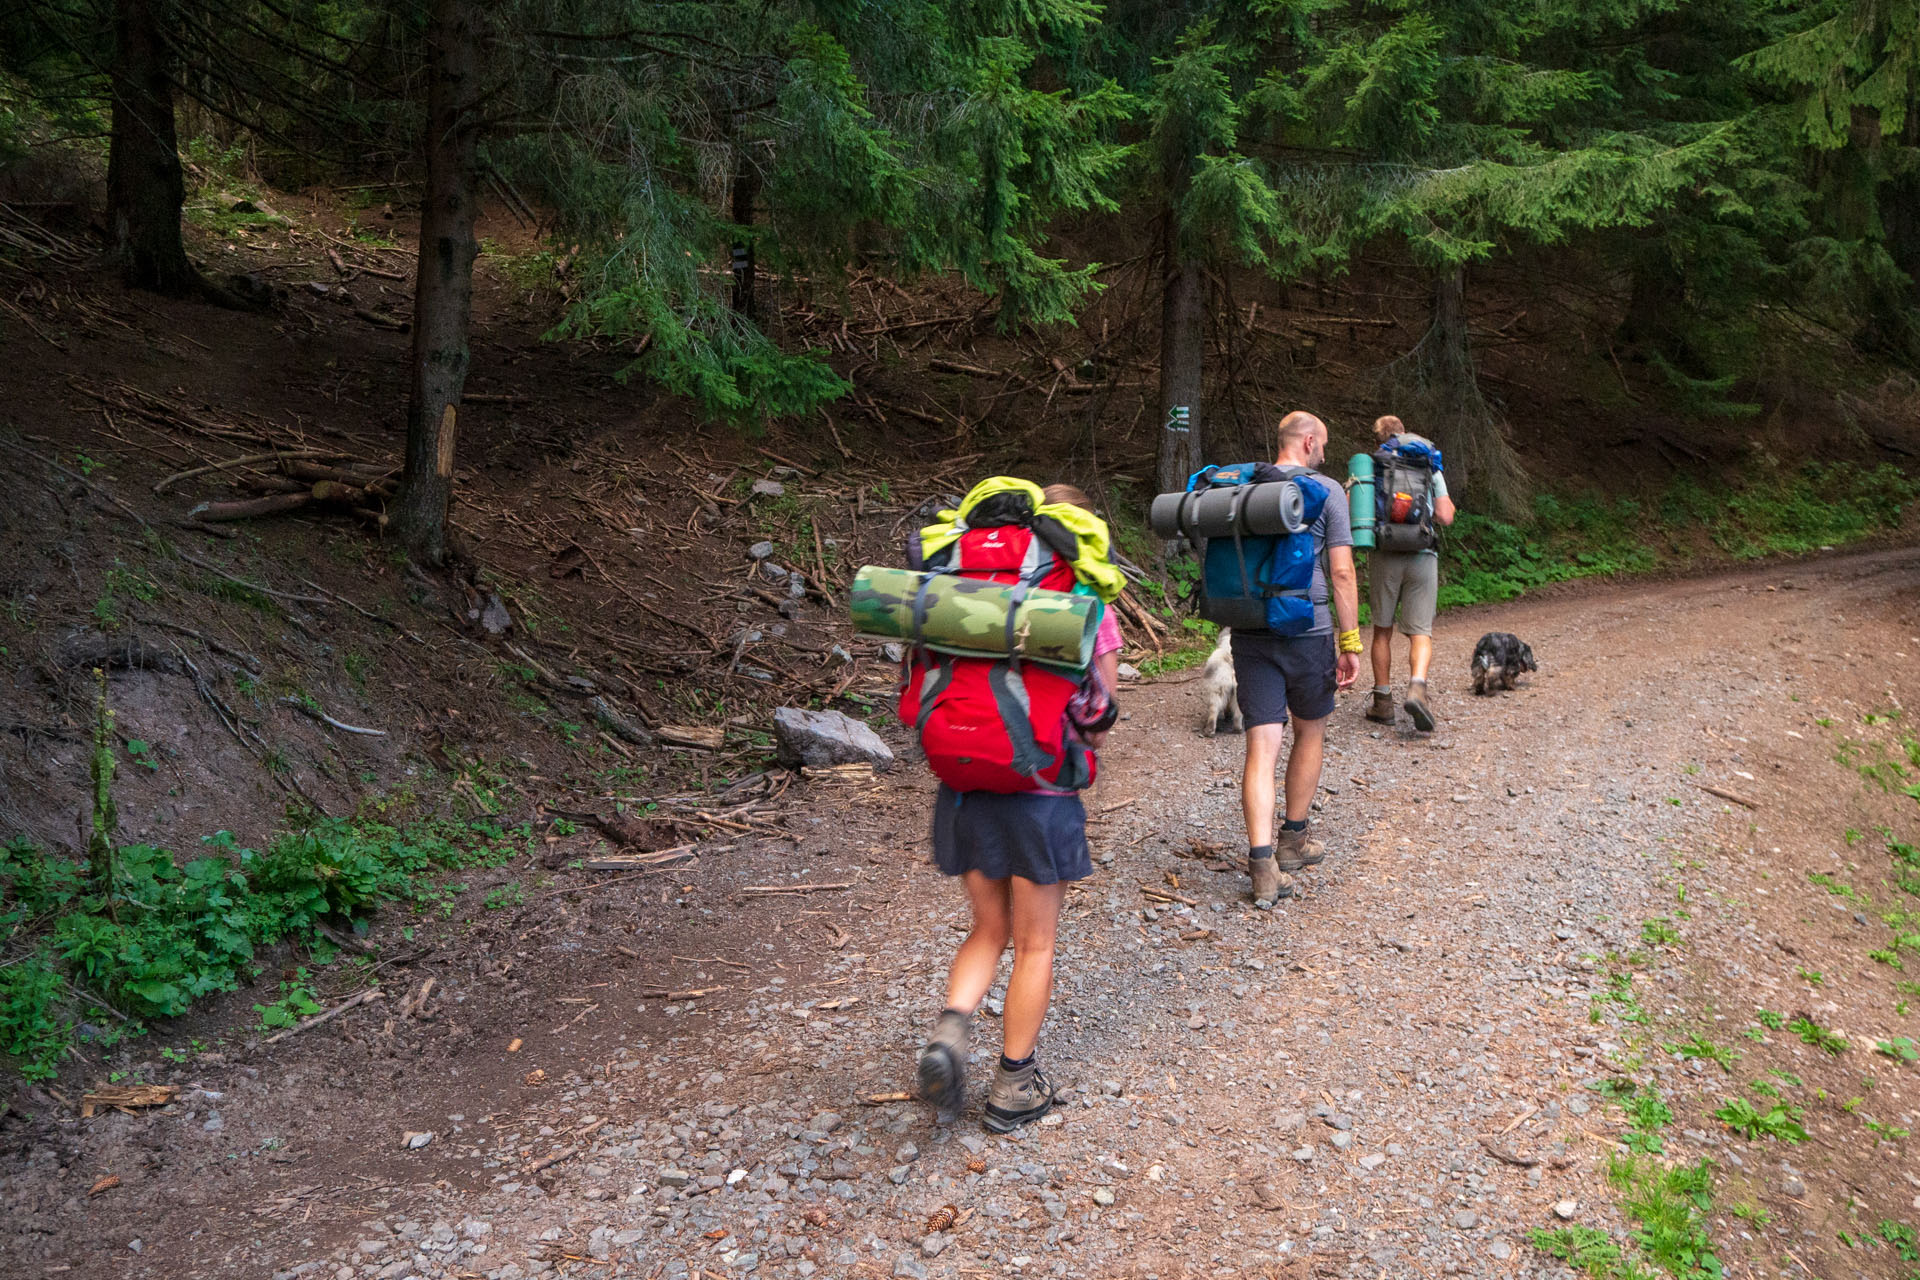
[{"x": 1383, "y": 1077}]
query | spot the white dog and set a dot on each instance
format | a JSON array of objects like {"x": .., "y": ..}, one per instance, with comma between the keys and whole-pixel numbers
[{"x": 1221, "y": 689}]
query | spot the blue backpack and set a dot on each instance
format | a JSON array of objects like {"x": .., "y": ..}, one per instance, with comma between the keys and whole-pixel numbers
[{"x": 1261, "y": 582}]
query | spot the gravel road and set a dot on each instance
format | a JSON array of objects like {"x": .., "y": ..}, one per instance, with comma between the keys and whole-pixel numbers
[{"x": 1383, "y": 1077}]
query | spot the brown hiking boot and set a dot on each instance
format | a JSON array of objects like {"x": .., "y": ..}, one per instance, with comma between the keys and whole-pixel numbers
[
  {"x": 1270, "y": 884},
  {"x": 1381, "y": 710},
  {"x": 1416, "y": 705},
  {"x": 943, "y": 1065},
  {"x": 1017, "y": 1097},
  {"x": 1292, "y": 850}
]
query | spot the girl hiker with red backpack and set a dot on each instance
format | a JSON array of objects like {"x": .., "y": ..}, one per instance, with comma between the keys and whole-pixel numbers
[{"x": 1013, "y": 743}]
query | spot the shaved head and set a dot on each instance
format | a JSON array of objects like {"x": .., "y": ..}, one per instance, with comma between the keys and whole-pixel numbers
[{"x": 1303, "y": 439}]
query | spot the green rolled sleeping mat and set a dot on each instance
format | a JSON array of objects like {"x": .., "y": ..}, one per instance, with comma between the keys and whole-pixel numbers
[{"x": 967, "y": 617}]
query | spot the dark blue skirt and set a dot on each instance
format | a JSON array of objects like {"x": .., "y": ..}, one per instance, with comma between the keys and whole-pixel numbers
[{"x": 1036, "y": 837}]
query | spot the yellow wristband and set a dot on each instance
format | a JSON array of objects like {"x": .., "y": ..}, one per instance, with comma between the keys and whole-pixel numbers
[{"x": 1349, "y": 641}]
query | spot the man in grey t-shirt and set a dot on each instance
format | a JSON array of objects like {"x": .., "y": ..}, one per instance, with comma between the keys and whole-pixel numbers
[
  {"x": 1409, "y": 582},
  {"x": 1298, "y": 674}
]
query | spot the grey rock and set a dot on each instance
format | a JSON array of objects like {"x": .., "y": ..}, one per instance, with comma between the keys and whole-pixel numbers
[
  {"x": 1341, "y": 1141},
  {"x": 1372, "y": 1162},
  {"x": 825, "y": 1122},
  {"x": 909, "y": 1268},
  {"x": 933, "y": 1245},
  {"x": 214, "y": 1123},
  {"x": 769, "y": 488},
  {"x": 1103, "y": 1196},
  {"x": 1565, "y": 1210},
  {"x": 1500, "y": 1250},
  {"x": 1466, "y": 1219},
  {"x": 1304, "y": 1154},
  {"x": 760, "y": 550},
  {"x": 907, "y": 1154},
  {"x": 675, "y": 1178},
  {"x": 495, "y": 618},
  {"x": 1794, "y": 1187},
  {"x": 819, "y": 739},
  {"x": 796, "y": 587}
]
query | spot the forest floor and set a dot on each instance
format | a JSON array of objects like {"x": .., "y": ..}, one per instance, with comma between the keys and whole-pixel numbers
[{"x": 1402, "y": 1072}]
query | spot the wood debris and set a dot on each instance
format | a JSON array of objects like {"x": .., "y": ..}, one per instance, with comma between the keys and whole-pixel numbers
[
  {"x": 125, "y": 1097},
  {"x": 700, "y": 736},
  {"x": 107, "y": 1183},
  {"x": 879, "y": 1099},
  {"x": 769, "y": 890}
]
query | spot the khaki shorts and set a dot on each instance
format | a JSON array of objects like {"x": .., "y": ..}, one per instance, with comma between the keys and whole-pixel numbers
[{"x": 1408, "y": 582}]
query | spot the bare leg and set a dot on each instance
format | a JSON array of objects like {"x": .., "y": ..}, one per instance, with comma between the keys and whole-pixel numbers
[
  {"x": 1256, "y": 781},
  {"x": 1303, "y": 766},
  {"x": 1382, "y": 655},
  {"x": 1419, "y": 654},
  {"x": 979, "y": 956},
  {"x": 1036, "y": 917}
]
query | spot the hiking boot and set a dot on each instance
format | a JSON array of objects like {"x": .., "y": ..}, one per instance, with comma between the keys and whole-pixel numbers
[
  {"x": 1381, "y": 710},
  {"x": 1270, "y": 884},
  {"x": 1292, "y": 850},
  {"x": 1416, "y": 705},
  {"x": 1017, "y": 1098},
  {"x": 943, "y": 1064}
]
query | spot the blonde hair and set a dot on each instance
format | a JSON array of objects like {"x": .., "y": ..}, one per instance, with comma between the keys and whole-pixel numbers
[
  {"x": 1387, "y": 425},
  {"x": 1069, "y": 494}
]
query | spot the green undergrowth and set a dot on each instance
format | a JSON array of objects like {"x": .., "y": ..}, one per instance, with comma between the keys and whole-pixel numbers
[
  {"x": 1778, "y": 513},
  {"x": 91, "y": 957}
]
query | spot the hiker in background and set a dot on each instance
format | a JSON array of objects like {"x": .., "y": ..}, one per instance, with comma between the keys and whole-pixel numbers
[
  {"x": 1403, "y": 570},
  {"x": 1014, "y": 853},
  {"x": 1282, "y": 675}
]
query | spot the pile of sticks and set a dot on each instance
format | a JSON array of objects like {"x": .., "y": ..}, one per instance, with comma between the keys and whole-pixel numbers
[{"x": 284, "y": 470}]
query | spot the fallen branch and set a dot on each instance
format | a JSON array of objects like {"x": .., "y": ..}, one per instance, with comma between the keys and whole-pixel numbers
[
  {"x": 1728, "y": 795},
  {"x": 247, "y": 460},
  {"x": 601, "y": 884},
  {"x": 251, "y": 586},
  {"x": 326, "y": 719},
  {"x": 768, "y": 890},
  {"x": 1507, "y": 1156},
  {"x": 541, "y": 1166},
  {"x": 371, "y": 993}
]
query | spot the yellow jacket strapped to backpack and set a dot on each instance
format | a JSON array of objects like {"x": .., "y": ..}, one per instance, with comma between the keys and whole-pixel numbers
[{"x": 1090, "y": 564}]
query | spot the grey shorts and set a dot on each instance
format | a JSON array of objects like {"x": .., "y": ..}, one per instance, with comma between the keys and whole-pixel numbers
[
  {"x": 1278, "y": 674},
  {"x": 1408, "y": 582}
]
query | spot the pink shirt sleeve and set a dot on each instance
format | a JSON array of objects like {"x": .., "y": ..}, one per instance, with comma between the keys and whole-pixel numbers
[{"x": 1108, "y": 639}]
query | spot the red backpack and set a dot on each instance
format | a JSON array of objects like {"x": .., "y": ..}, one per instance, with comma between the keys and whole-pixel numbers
[{"x": 1000, "y": 724}]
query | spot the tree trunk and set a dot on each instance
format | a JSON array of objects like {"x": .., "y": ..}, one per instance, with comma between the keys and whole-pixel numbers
[
  {"x": 1435, "y": 389},
  {"x": 1893, "y": 326},
  {"x": 1183, "y": 315},
  {"x": 443, "y": 287},
  {"x": 746, "y": 190},
  {"x": 144, "y": 185}
]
